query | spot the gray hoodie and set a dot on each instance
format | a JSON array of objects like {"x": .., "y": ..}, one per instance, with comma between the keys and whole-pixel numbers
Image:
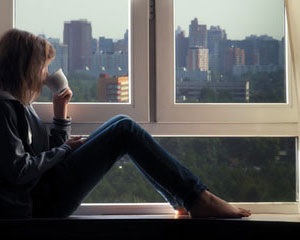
[{"x": 27, "y": 150}]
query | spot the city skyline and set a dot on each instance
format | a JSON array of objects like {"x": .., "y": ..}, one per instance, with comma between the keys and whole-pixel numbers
[
  {"x": 208, "y": 45},
  {"x": 205, "y": 58},
  {"x": 258, "y": 17},
  {"x": 178, "y": 28},
  {"x": 265, "y": 22}
]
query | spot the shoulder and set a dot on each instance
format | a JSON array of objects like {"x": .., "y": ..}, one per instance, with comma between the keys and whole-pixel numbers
[
  {"x": 12, "y": 117},
  {"x": 7, "y": 106},
  {"x": 11, "y": 109}
]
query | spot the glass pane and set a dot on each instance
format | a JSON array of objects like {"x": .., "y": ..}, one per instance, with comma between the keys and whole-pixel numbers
[
  {"x": 235, "y": 169},
  {"x": 230, "y": 51},
  {"x": 91, "y": 42}
]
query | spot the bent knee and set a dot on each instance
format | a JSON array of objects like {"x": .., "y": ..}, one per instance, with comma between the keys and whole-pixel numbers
[
  {"x": 123, "y": 116},
  {"x": 125, "y": 125}
]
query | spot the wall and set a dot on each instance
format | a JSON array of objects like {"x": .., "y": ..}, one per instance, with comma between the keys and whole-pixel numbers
[{"x": 6, "y": 16}]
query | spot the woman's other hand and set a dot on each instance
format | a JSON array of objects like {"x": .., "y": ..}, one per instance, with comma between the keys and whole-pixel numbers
[
  {"x": 60, "y": 103},
  {"x": 76, "y": 142}
]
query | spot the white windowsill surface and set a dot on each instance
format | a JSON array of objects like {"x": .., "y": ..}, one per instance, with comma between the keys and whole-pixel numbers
[
  {"x": 263, "y": 212},
  {"x": 253, "y": 217}
]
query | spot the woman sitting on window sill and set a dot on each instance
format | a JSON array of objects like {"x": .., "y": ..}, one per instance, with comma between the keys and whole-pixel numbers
[{"x": 48, "y": 174}]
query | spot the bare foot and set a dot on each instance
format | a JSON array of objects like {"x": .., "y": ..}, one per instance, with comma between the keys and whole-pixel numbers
[{"x": 209, "y": 205}]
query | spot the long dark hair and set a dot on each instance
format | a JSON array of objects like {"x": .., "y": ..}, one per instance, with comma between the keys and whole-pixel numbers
[{"x": 22, "y": 58}]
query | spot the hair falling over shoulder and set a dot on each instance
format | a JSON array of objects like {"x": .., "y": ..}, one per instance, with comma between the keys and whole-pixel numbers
[{"x": 22, "y": 58}]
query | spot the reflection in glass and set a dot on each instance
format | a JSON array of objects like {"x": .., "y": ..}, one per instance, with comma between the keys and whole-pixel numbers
[{"x": 236, "y": 169}]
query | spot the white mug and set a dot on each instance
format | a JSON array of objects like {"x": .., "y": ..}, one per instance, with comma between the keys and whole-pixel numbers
[{"x": 57, "y": 82}]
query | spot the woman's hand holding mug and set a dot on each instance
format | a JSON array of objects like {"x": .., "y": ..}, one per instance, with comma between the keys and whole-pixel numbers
[
  {"x": 60, "y": 103},
  {"x": 62, "y": 94}
]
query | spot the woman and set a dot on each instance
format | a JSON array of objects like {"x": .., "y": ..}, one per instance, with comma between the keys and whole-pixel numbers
[{"x": 46, "y": 174}]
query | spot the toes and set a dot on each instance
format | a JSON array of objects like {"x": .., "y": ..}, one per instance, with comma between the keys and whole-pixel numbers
[{"x": 244, "y": 212}]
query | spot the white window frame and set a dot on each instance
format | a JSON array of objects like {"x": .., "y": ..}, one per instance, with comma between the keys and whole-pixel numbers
[
  {"x": 169, "y": 111},
  {"x": 167, "y": 122}
]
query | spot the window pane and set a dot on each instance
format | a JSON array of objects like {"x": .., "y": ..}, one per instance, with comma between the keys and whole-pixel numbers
[
  {"x": 91, "y": 42},
  {"x": 230, "y": 51},
  {"x": 235, "y": 169}
]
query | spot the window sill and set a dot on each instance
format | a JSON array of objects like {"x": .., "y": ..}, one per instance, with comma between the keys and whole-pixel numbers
[
  {"x": 92, "y": 209},
  {"x": 278, "y": 226},
  {"x": 292, "y": 218}
]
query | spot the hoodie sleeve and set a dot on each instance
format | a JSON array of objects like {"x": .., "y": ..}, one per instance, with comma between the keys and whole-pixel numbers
[
  {"x": 18, "y": 166},
  {"x": 60, "y": 131}
]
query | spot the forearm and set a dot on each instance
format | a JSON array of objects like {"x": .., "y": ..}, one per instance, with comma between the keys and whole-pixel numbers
[
  {"x": 60, "y": 104},
  {"x": 20, "y": 167},
  {"x": 60, "y": 111}
]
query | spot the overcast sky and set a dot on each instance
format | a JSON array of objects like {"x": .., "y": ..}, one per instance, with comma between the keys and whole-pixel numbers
[
  {"x": 239, "y": 18},
  {"x": 109, "y": 18}
]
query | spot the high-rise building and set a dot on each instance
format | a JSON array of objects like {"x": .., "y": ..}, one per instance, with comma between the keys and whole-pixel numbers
[
  {"x": 182, "y": 43},
  {"x": 197, "y": 59},
  {"x": 122, "y": 44},
  {"x": 112, "y": 57},
  {"x": 233, "y": 56},
  {"x": 239, "y": 56},
  {"x": 110, "y": 46},
  {"x": 113, "y": 89},
  {"x": 215, "y": 37},
  {"x": 106, "y": 44},
  {"x": 259, "y": 50},
  {"x": 61, "y": 57},
  {"x": 78, "y": 37},
  {"x": 197, "y": 34},
  {"x": 269, "y": 52},
  {"x": 111, "y": 63},
  {"x": 95, "y": 45},
  {"x": 251, "y": 50}
]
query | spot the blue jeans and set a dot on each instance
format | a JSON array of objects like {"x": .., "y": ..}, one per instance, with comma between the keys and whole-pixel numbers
[{"x": 63, "y": 188}]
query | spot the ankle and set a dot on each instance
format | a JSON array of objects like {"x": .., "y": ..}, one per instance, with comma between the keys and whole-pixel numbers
[{"x": 204, "y": 198}]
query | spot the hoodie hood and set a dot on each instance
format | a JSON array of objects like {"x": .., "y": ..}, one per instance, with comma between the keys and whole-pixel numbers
[{"x": 4, "y": 95}]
